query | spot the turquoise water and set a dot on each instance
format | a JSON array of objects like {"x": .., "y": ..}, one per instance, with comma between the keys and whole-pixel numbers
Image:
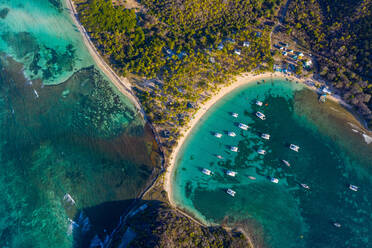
[
  {"x": 332, "y": 156},
  {"x": 64, "y": 130}
]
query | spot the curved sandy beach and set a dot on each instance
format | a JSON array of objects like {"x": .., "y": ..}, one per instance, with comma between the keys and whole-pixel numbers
[
  {"x": 121, "y": 83},
  {"x": 241, "y": 80}
]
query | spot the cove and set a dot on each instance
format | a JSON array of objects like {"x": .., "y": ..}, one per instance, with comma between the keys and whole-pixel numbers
[
  {"x": 334, "y": 152},
  {"x": 74, "y": 152}
]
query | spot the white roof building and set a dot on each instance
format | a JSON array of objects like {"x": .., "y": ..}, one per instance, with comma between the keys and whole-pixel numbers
[
  {"x": 237, "y": 51},
  {"x": 246, "y": 44}
]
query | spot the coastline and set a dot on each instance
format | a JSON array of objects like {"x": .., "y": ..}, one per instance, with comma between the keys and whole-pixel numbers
[
  {"x": 242, "y": 80},
  {"x": 121, "y": 83}
]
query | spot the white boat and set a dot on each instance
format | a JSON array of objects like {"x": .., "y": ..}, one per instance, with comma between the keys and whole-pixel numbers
[
  {"x": 231, "y": 173},
  {"x": 262, "y": 152},
  {"x": 235, "y": 115},
  {"x": 231, "y": 134},
  {"x": 353, "y": 187},
  {"x": 218, "y": 135},
  {"x": 274, "y": 180},
  {"x": 243, "y": 126},
  {"x": 251, "y": 177},
  {"x": 336, "y": 224},
  {"x": 219, "y": 156},
  {"x": 207, "y": 172},
  {"x": 265, "y": 136},
  {"x": 259, "y": 103},
  {"x": 294, "y": 147},
  {"x": 234, "y": 149},
  {"x": 305, "y": 186},
  {"x": 231, "y": 192},
  {"x": 260, "y": 115},
  {"x": 286, "y": 163}
]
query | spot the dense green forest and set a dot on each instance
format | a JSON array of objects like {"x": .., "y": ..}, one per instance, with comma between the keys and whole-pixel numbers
[
  {"x": 339, "y": 33},
  {"x": 189, "y": 47}
]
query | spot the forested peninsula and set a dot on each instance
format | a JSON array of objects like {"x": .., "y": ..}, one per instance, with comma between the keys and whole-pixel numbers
[{"x": 178, "y": 54}]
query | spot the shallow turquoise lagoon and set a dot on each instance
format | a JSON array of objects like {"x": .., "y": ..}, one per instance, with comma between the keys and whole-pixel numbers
[
  {"x": 73, "y": 151},
  {"x": 333, "y": 153}
]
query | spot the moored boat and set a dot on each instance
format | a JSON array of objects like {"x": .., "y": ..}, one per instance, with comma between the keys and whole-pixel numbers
[
  {"x": 353, "y": 187},
  {"x": 286, "y": 163},
  {"x": 260, "y": 115},
  {"x": 218, "y": 135},
  {"x": 294, "y": 147},
  {"x": 336, "y": 224},
  {"x": 259, "y": 103},
  {"x": 274, "y": 180},
  {"x": 262, "y": 152},
  {"x": 231, "y": 173},
  {"x": 265, "y": 136},
  {"x": 231, "y": 134},
  {"x": 305, "y": 186},
  {"x": 251, "y": 177},
  {"x": 219, "y": 156},
  {"x": 231, "y": 192},
  {"x": 243, "y": 126},
  {"x": 235, "y": 115},
  {"x": 234, "y": 149},
  {"x": 207, "y": 172}
]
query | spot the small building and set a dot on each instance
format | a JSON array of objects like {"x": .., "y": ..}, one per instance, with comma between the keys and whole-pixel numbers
[
  {"x": 212, "y": 60},
  {"x": 237, "y": 51},
  {"x": 300, "y": 54},
  {"x": 258, "y": 34},
  {"x": 220, "y": 46},
  {"x": 290, "y": 50},
  {"x": 285, "y": 53},
  {"x": 325, "y": 90},
  {"x": 308, "y": 63},
  {"x": 230, "y": 40},
  {"x": 246, "y": 44},
  {"x": 281, "y": 48}
]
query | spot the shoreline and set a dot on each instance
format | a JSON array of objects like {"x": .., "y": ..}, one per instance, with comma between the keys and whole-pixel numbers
[
  {"x": 122, "y": 84},
  {"x": 242, "y": 80}
]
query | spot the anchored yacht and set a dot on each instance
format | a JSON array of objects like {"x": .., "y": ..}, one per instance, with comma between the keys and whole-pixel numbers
[
  {"x": 235, "y": 115},
  {"x": 243, "y": 126},
  {"x": 294, "y": 147},
  {"x": 231, "y": 192},
  {"x": 265, "y": 136},
  {"x": 353, "y": 187},
  {"x": 286, "y": 163},
  {"x": 274, "y": 180},
  {"x": 305, "y": 186},
  {"x": 260, "y": 115},
  {"x": 262, "y": 152},
  {"x": 336, "y": 224},
  {"x": 259, "y": 103},
  {"x": 231, "y": 134},
  {"x": 218, "y": 135},
  {"x": 251, "y": 177},
  {"x": 207, "y": 172},
  {"x": 231, "y": 173},
  {"x": 219, "y": 156},
  {"x": 234, "y": 149}
]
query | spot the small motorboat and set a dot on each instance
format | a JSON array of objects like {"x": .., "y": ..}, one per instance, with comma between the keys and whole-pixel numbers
[
  {"x": 234, "y": 149},
  {"x": 219, "y": 156},
  {"x": 286, "y": 163},
  {"x": 262, "y": 152},
  {"x": 353, "y": 187},
  {"x": 274, "y": 180},
  {"x": 336, "y": 224},
  {"x": 231, "y": 134},
  {"x": 235, "y": 115},
  {"x": 265, "y": 136},
  {"x": 260, "y": 115},
  {"x": 231, "y": 173},
  {"x": 294, "y": 147},
  {"x": 231, "y": 192},
  {"x": 243, "y": 126},
  {"x": 259, "y": 103},
  {"x": 251, "y": 177},
  {"x": 305, "y": 186},
  {"x": 207, "y": 172},
  {"x": 217, "y": 135}
]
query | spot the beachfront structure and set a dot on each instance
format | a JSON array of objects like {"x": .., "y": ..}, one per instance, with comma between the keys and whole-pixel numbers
[
  {"x": 325, "y": 90},
  {"x": 285, "y": 53},
  {"x": 308, "y": 63},
  {"x": 237, "y": 51}
]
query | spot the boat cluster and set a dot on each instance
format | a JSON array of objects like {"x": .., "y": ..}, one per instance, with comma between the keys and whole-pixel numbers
[{"x": 265, "y": 136}]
